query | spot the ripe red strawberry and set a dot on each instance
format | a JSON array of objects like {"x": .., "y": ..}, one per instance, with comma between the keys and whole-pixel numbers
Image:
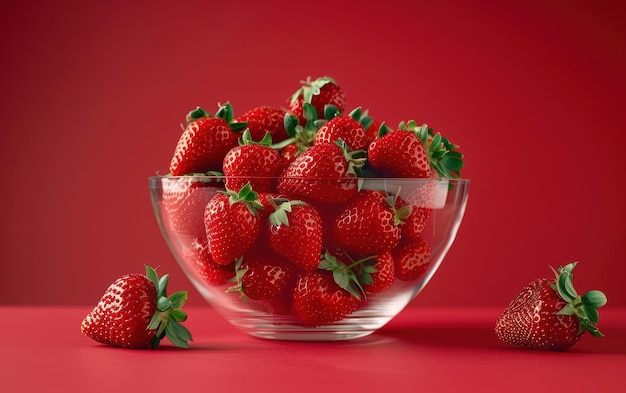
[
  {"x": 319, "y": 93},
  {"x": 135, "y": 312},
  {"x": 378, "y": 274},
  {"x": 262, "y": 277},
  {"x": 205, "y": 141},
  {"x": 184, "y": 199},
  {"x": 370, "y": 224},
  {"x": 295, "y": 232},
  {"x": 416, "y": 221},
  {"x": 349, "y": 128},
  {"x": 411, "y": 259},
  {"x": 318, "y": 300},
  {"x": 209, "y": 271},
  {"x": 325, "y": 172},
  {"x": 549, "y": 314},
  {"x": 399, "y": 153},
  {"x": 252, "y": 162},
  {"x": 265, "y": 119},
  {"x": 232, "y": 223},
  {"x": 289, "y": 153}
]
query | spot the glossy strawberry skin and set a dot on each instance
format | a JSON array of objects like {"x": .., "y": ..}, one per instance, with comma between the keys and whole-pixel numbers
[
  {"x": 266, "y": 277},
  {"x": 345, "y": 128},
  {"x": 320, "y": 173},
  {"x": 184, "y": 200},
  {"x": 202, "y": 146},
  {"x": 415, "y": 223},
  {"x": 399, "y": 153},
  {"x": 329, "y": 94},
  {"x": 301, "y": 240},
  {"x": 411, "y": 259},
  {"x": 231, "y": 229},
  {"x": 530, "y": 320},
  {"x": 366, "y": 226},
  {"x": 209, "y": 271},
  {"x": 253, "y": 163},
  {"x": 122, "y": 315},
  {"x": 265, "y": 119},
  {"x": 384, "y": 276},
  {"x": 318, "y": 300}
]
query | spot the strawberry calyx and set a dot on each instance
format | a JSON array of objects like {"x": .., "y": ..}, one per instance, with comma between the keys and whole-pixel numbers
[
  {"x": 239, "y": 273},
  {"x": 282, "y": 207},
  {"x": 245, "y": 195},
  {"x": 399, "y": 214},
  {"x": 311, "y": 88},
  {"x": 442, "y": 154},
  {"x": 344, "y": 274},
  {"x": 168, "y": 317},
  {"x": 302, "y": 135},
  {"x": 583, "y": 307},
  {"x": 355, "y": 159},
  {"x": 246, "y": 139}
]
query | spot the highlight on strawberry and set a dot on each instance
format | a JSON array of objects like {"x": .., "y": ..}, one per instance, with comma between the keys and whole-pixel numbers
[
  {"x": 135, "y": 312},
  {"x": 550, "y": 314}
]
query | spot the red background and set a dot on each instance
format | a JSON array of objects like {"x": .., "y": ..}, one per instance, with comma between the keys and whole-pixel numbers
[{"x": 92, "y": 97}]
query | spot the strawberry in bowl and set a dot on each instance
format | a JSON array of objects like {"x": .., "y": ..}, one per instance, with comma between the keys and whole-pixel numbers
[{"x": 325, "y": 234}]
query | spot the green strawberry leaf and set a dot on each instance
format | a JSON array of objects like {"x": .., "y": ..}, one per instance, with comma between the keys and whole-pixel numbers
[{"x": 594, "y": 299}]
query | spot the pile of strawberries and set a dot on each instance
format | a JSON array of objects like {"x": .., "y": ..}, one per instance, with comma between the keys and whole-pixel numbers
[{"x": 290, "y": 226}]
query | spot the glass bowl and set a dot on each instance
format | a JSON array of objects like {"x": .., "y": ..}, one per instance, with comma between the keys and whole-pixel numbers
[{"x": 310, "y": 302}]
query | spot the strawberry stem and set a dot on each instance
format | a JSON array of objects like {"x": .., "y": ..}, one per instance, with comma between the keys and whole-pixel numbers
[
  {"x": 166, "y": 320},
  {"x": 583, "y": 307}
]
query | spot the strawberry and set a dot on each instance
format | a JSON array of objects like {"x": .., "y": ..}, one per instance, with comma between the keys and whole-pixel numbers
[
  {"x": 135, "y": 312},
  {"x": 265, "y": 119},
  {"x": 209, "y": 271},
  {"x": 549, "y": 314},
  {"x": 184, "y": 199},
  {"x": 205, "y": 141},
  {"x": 232, "y": 223},
  {"x": 349, "y": 128},
  {"x": 262, "y": 277},
  {"x": 378, "y": 274},
  {"x": 254, "y": 162},
  {"x": 411, "y": 259},
  {"x": 325, "y": 172},
  {"x": 319, "y": 93},
  {"x": 399, "y": 153},
  {"x": 295, "y": 232},
  {"x": 416, "y": 221},
  {"x": 318, "y": 300},
  {"x": 370, "y": 224},
  {"x": 414, "y": 151}
]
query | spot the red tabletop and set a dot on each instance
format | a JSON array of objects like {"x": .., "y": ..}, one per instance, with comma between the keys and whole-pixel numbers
[{"x": 422, "y": 350}]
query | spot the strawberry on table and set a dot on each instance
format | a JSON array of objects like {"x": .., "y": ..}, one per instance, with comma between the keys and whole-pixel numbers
[
  {"x": 319, "y": 93},
  {"x": 295, "y": 232},
  {"x": 549, "y": 314},
  {"x": 254, "y": 162},
  {"x": 232, "y": 223},
  {"x": 326, "y": 172},
  {"x": 205, "y": 141},
  {"x": 135, "y": 312}
]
